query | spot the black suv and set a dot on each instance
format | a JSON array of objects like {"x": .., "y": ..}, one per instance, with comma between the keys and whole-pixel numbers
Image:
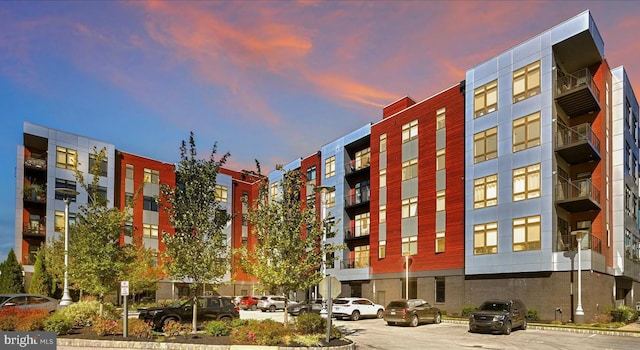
[
  {"x": 209, "y": 308},
  {"x": 499, "y": 316}
]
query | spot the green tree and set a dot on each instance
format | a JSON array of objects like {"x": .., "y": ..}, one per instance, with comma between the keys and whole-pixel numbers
[
  {"x": 288, "y": 255},
  {"x": 143, "y": 273},
  {"x": 11, "y": 275},
  {"x": 41, "y": 281},
  {"x": 54, "y": 263},
  {"x": 97, "y": 260},
  {"x": 198, "y": 250}
]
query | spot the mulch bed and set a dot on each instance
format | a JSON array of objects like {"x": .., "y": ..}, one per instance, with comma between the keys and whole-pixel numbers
[{"x": 200, "y": 339}]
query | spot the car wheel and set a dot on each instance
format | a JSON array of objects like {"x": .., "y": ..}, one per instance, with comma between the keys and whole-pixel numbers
[
  {"x": 263, "y": 310},
  {"x": 379, "y": 314},
  {"x": 167, "y": 320},
  {"x": 414, "y": 321},
  {"x": 524, "y": 324},
  {"x": 225, "y": 319},
  {"x": 355, "y": 315},
  {"x": 506, "y": 330},
  {"x": 302, "y": 312},
  {"x": 437, "y": 318},
  {"x": 391, "y": 323},
  {"x": 471, "y": 329},
  {"x": 254, "y": 307},
  {"x": 272, "y": 308}
]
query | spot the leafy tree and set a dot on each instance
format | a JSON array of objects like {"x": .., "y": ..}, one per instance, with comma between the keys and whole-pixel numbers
[
  {"x": 53, "y": 252},
  {"x": 287, "y": 256},
  {"x": 41, "y": 281},
  {"x": 97, "y": 260},
  {"x": 143, "y": 273},
  {"x": 11, "y": 275},
  {"x": 198, "y": 250}
]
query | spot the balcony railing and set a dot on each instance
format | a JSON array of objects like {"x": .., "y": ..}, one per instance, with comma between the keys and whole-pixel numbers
[
  {"x": 353, "y": 232},
  {"x": 567, "y": 242},
  {"x": 34, "y": 230},
  {"x": 577, "y": 195},
  {"x": 36, "y": 161},
  {"x": 356, "y": 166},
  {"x": 577, "y": 93},
  {"x": 357, "y": 199},
  {"x": 577, "y": 144},
  {"x": 354, "y": 263}
]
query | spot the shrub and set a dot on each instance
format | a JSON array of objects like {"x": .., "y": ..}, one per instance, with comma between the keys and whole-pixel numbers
[
  {"x": 58, "y": 323},
  {"x": 267, "y": 332},
  {"x": 628, "y": 314},
  {"x": 8, "y": 317},
  {"x": 308, "y": 339},
  {"x": 175, "y": 328},
  {"x": 532, "y": 314},
  {"x": 139, "y": 328},
  {"x": 82, "y": 313},
  {"x": 104, "y": 326},
  {"x": 467, "y": 310},
  {"x": 30, "y": 320},
  {"x": 310, "y": 323},
  {"x": 238, "y": 322},
  {"x": 217, "y": 328}
]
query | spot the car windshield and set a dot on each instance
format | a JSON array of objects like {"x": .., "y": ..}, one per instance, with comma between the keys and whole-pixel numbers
[
  {"x": 180, "y": 302},
  {"x": 341, "y": 301},
  {"x": 397, "y": 304},
  {"x": 264, "y": 298},
  {"x": 494, "y": 307},
  {"x": 4, "y": 299}
]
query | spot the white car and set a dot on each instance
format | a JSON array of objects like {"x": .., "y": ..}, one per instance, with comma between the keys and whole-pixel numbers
[{"x": 356, "y": 308}]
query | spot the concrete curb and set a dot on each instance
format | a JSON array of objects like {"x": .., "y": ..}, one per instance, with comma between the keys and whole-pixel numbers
[
  {"x": 622, "y": 333},
  {"x": 86, "y": 343}
]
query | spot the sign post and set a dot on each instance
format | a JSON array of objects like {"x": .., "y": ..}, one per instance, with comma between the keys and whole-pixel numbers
[
  {"x": 329, "y": 288},
  {"x": 124, "y": 291}
]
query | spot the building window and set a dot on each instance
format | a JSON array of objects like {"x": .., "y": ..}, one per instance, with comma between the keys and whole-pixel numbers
[
  {"x": 526, "y": 182},
  {"x": 526, "y": 82},
  {"x": 526, "y": 233},
  {"x": 128, "y": 171},
  {"x": 99, "y": 192},
  {"x": 526, "y": 132},
  {"x": 330, "y": 197},
  {"x": 273, "y": 190},
  {"x": 151, "y": 176},
  {"x": 440, "y": 118},
  {"x": 409, "y": 207},
  {"x": 103, "y": 164},
  {"x": 361, "y": 256},
  {"x": 410, "y": 245},
  {"x": 362, "y": 225},
  {"x": 383, "y": 213},
  {"x": 382, "y": 250},
  {"x": 222, "y": 194},
  {"x": 410, "y": 131},
  {"x": 311, "y": 173},
  {"x": 440, "y": 159},
  {"x": 330, "y": 166},
  {"x": 383, "y": 177},
  {"x": 485, "y": 99},
  {"x": 244, "y": 241},
  {"x": 485, "y": 145},
  {"x": 149, "y": 230},
  {"x": 244, "y": 220},
  {"x": 485, "y": 191},
  {"x": 439, "y": 242},
  {"x": 128, "y": 198},
  {"x": 440, "y": 290},
  {"x": 363, "y": 159},
  {"x": 383, "y": 143},
  {"x": 60, "y": 183},
  {"x": 150, "y": 203},
  {"x": 440, "y": 200},
  {"x": 66, "y": 158},
  {"x": 410, "y": 169},
  {"x": 485, "y": 238},
  {"x": 58, "y": 225}
]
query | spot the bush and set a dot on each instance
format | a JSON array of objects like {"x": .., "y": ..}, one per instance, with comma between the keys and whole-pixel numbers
[
  {"x": 104, "y": 326},
  {"x": 628, "y": 314},
  {"x": 532, "y": 314},
  {"x": 267, "y": 332},
  {"x": 139, "y": 328},
  {"x": 217, "y": 328},
  {"x": 310, "y": 323},
  {"x": 58, "y": 323},
  {"x": 467, "y": 310},
  {"x": 175, "y": 328},
  {"x": 82, "y": 313},
  {"x": 308, "y": 340},
  {"x": 8, "y": 317},
  {"x": 237, "y": 323},
  {"x": 21, "y": 320}
]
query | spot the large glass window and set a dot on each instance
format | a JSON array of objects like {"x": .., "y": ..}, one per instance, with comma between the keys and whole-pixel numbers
[
  {"x": 485, "y": 99},
  {"x": 383, "y": 177},
  {"x": 485, "y": 145},
  {"x": 60, "y": 183},
  {"x": 526, "y": 82},
  {"x": 526, "y": 132},
  {"x": 150, "y": 203},
  {"x": 410, "y": 245},
  {"x": 410, "y": 131},
  {"x": 273, "y": 190},
  {"x": 149, "y": 230},
  {"x": 151, "y": 176},
  {"x": 409, "y": 207},
  {"x": 362, "y": 225},
  {"x": 440, "y": 200},
  {"x": 330, "y": 197},
  {"x": 311, "y": 173},
  {"x": 485, "y": 238},
  {"x": 103, "y": 164},
  {"x": 66, "y": 158},
  {"x": 485, "y": 191},
  {"x": 440, "y": 290},
  {"x": 383, "y": 213},
  {"x": 222, "y": 194},
  {"x": 526, "y": 233},
  {"x": 363, "y": 158},
  {"x": 526, "y": 182},
  {"x": 440, "y": 159},
  {"x": 383, "y": 143},
  {"x": 440, "y": 242},
  {"x": 128, "y": 170},
  {"x": 361, "y": 256},
  {"x": 382, "y": 249},
  {"x": 410, "y": 169},
  {"x": 440, "y": 118},
  {"x": 330, "y": 166}
]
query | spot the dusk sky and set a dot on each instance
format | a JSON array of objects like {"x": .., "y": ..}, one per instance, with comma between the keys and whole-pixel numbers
[{"x": 266, "y": 80}]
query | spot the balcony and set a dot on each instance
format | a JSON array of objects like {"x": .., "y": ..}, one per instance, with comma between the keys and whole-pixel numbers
[
  {"x": 567, "y": 242},
  {"x": 34, "y": 230},
  {"x": 577, "y": 195},
  {"x": 355, "y": 263},
  {"x": 36, "y": 161},
  {"x": 357, "y": 166},
  {"x": 34, "y": 193},
  {"x": 357, "y": 200},
  {"x": 577, "y": 93},
  {"x": 577, "y": 144},
  {"x": 353, "y": 234}
]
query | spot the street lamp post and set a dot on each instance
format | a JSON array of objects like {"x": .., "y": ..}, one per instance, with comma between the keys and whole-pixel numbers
[
  {"x": 406, "y": 274},
  {"x": 579, "y": 236},
  {"x": 67, "y": 193},
  {"x": 323, "y": 190}
]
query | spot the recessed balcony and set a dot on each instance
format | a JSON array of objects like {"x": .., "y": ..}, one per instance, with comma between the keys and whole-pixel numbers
[
  {"x": 577, "y": 144},
  {"x": 577, "y": 195},
  {"x": 577, "y": 93}
]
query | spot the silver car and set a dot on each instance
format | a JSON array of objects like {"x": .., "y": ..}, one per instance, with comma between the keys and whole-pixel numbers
[
  {"x": 271, "y": 303},
  {"x": 28, "y": 302}
]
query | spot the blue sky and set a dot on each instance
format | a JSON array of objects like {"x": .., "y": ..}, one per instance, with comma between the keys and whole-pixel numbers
[{"x": 267, "y": 80}]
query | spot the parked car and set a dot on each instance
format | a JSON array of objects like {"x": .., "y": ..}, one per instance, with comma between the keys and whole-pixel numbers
[
  {"x": 499, "y": 316},
  {"x": 209, "y": 308},
  {"x": 355, "y": 308},
  {"x": 411, "y": 312},
  {"x": 249, "y": 302},
  {"x": 313, "y": 306},
  {"x": 272, "y": 303},
  {"x": 28, "y": 302}
]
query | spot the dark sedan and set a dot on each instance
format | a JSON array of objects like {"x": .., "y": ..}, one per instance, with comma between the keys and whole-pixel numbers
[
  {"x": 209, "y": 308},
  {"x": 411, "y": 312},
  {"x": 313, "y": 306},
  {"x": 28, "y": 302}
]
